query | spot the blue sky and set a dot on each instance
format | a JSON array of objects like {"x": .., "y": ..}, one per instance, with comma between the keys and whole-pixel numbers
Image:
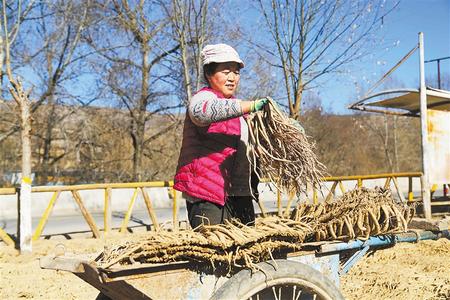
[{"x": 400, "y": 34}]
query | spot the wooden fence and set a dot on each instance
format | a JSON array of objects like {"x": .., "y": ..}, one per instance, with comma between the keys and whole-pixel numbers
[{"x": 141, "y": 187}]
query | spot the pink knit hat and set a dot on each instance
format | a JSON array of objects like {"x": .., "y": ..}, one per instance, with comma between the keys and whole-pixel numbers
[{"x": 219, "y": 53}]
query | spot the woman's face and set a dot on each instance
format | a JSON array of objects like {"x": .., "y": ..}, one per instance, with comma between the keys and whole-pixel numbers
[{"x": 225, "y": 78}]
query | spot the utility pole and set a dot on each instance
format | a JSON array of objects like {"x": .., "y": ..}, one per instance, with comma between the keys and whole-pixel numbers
[{"x": 426, "y": 197}]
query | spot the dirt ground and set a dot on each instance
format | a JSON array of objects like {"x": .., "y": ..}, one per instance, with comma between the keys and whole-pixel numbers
[{"x": 406, "y": 271}]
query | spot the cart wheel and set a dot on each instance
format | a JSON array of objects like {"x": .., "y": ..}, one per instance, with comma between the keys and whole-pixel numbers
[{"x": 279, "y": 279}]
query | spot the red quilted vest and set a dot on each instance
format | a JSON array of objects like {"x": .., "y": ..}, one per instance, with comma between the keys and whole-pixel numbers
[{"x": 207, "y": 158}]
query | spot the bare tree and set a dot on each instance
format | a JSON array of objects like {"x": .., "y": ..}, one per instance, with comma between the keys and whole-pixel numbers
[
  {"x": 48, "y": 49},
  {"x": 311, "y": 39},
  {"x": 20, "y": 96},
  {"x": 14, "y": 14},
  {"x": 189, "y": 20},
  {"x": 443, "y": 79},
  {"x": 56, "y": 59},
  {"x": 135, "y": 53}
]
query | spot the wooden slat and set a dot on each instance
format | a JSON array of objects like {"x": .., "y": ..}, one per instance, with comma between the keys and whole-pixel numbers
[
  {"x": 6, "y": 238},
  {"x": 372, "y": 176},
  {"x": 279, "y": 202},
  {"x": 8, "y": 191},
  {"x": 331, "y": 193},
  {"x": 175, "y": 209},
  {"x": 127, "y": 217},
  {"x": 360, "y": 182},
  {"x": 397, "y": 187},
  {"x": 262, "y": 208},
  {"x": 87, "y": 216},
  {"x": 288, "y": 205},
  {"x": 102, "y": 186},
  {"x": 410, "y": 191},
  {"x": 44, "y": 218},
  {"x": 150, "y": 210},
  {"x": 387, "y": 183},
  {"x": 12, "y": 191},
  {"x": 107, "y": 211}
]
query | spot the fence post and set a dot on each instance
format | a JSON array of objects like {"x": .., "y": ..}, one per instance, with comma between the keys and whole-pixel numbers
[
  {"x": 360, "y": 182},
  {"x": 107, "y": 211},
  {"x": 175, "y": 210},
  {"x": 410, "y": 191},
  {"x": 279, "y": 202}
]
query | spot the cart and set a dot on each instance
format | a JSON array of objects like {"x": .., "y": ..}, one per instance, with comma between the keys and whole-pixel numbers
[{"x": 312, "y": 273}]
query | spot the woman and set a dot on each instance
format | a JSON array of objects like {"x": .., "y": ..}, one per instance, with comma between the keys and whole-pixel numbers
[{"x": 213, "y": 171}]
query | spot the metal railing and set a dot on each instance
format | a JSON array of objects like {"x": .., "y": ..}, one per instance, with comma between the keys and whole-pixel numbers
[{"x": 140, "y": 187}]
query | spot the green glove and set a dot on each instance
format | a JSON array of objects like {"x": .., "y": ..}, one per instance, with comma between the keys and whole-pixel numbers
[
  {"x": 298, "y": 125},
  {"x": 258, "y": 105}
]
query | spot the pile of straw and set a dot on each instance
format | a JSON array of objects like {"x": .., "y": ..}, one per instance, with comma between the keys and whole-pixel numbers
[{"x": 281, "y": 152}]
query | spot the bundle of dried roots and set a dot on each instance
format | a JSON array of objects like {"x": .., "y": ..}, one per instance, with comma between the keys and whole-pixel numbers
[
  {"x": 280, "y": 151},
  {"x": 359, "y": 213},
  {"x": 230, "y": 244}
]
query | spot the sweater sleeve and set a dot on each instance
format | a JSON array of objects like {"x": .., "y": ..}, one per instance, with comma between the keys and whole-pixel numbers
[{"x": 206, "y": 108}]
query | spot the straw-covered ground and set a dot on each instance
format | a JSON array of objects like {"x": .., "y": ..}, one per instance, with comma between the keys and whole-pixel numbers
[{"x": 406, "y": 271}]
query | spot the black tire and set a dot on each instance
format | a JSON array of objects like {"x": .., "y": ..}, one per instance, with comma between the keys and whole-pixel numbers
[{"x": 279, "y": 277}]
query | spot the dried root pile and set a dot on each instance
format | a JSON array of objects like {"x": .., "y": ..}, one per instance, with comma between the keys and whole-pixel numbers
[
  {"x": 230, "y": 244},
  {"x": 280, "y": 152},
  {"x": 357, "y": 214}
]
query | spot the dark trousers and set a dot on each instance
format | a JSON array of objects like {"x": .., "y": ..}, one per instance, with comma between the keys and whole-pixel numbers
[{"x": 236, "y": 207}]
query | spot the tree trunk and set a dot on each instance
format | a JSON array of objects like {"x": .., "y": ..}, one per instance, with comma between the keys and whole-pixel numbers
[
  {"x": 186, "y": 75},
  {"x": 139, "y": 126},
  {"x": 25, "y": 187}
]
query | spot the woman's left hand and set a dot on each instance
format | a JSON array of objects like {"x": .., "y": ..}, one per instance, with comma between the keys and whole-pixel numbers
[{"x": 258, "y": 105}]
